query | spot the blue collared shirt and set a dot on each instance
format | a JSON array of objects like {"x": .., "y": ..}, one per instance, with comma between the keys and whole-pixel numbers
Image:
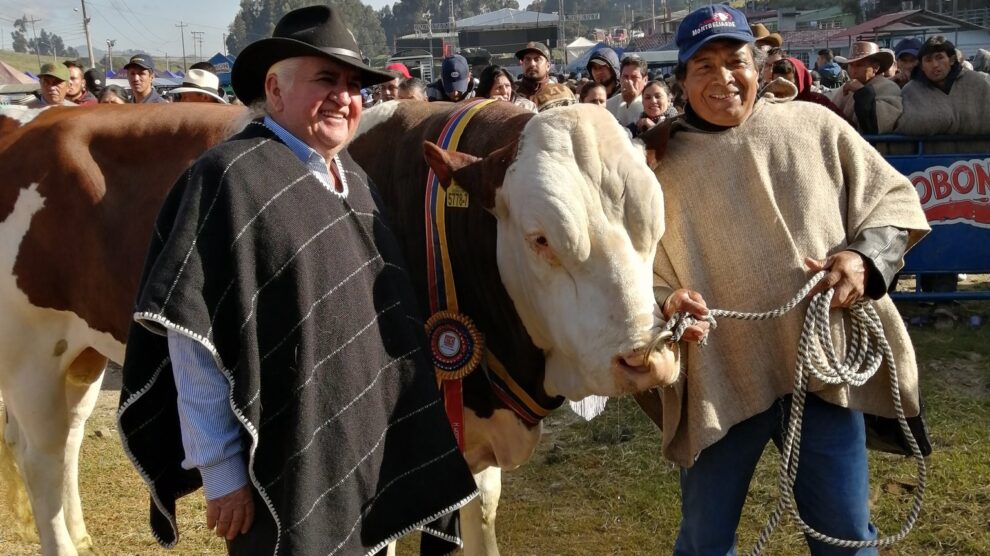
[
  {"x": 313, "y": 160},
  {"x": 210, "y": 430}
]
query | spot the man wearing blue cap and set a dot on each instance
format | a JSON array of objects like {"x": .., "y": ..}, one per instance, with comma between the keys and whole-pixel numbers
[
  {"x": 455, "y": 83},
  {"x": 906, "y": 55},
  {"x": 141, "y": 76},
  {"x": 767, "y": 193}
]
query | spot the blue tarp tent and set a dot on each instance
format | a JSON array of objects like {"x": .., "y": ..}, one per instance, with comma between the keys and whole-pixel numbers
[
  {"x": 580, "y": 63},
  {"x": 222, "y": 64}
]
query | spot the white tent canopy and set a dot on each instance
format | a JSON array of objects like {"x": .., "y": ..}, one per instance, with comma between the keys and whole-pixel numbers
[{"x": 579, "y": 47}]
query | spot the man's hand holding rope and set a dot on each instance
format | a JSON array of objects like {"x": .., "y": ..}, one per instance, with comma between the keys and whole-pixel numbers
[
  {"x": 690, "y": 302},
  {"x": 846, "y": 275}
]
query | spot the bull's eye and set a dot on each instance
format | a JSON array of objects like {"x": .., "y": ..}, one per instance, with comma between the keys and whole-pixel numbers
[{"x": 541, "y": 245}]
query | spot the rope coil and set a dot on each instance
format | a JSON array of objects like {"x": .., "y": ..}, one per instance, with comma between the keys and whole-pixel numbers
[{"x": 866, "y": 350}]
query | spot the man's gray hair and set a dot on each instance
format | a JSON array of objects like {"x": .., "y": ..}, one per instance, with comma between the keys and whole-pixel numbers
[{"x": 285, "y": 71}]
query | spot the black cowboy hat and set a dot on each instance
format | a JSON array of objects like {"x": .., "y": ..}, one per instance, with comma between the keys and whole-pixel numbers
[{"x": 310, "y": 31}]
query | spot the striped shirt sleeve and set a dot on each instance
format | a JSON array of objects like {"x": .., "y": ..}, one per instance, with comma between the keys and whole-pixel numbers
[{"x": 210, "y": 431}]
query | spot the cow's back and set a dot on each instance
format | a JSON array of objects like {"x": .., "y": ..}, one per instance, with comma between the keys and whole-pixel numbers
[{"x": 102, "y": 173}]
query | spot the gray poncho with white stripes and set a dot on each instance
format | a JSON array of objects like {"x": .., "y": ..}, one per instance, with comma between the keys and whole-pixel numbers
[{"x": 301, "y": 296}]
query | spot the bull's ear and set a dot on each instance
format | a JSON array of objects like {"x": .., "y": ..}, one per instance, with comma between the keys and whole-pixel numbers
[
  {"x": 483, "y": 180},
  {"x": 655, "y": 140},
  {"x": 445, "y": 163}
]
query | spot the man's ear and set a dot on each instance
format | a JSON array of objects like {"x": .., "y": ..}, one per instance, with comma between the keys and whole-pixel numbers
[
  {"x": 481, "y": 177},
  {"x": 273, "y": 92}
]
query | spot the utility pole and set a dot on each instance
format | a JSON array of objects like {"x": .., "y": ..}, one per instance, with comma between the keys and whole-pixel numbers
[
  {"x": 34, "y": 32},
  {"x": 89, "y": 43},
  {"x": 653, "y": 17},
  {"x": 561, "y": 34},
  {"x": 182, "y": 33},
  {"x": 110, "y": 43},
  {"x": 197, "y": 37},
  {"x": 223, "y": 43},
  {"x": 451, "y": 25}
]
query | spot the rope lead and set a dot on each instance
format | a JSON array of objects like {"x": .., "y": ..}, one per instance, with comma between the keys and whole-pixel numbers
[{"x": 867, "y": 349}]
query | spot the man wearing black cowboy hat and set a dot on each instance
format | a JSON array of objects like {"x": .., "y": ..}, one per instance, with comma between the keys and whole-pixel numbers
[{"x": 276, "y": 358}]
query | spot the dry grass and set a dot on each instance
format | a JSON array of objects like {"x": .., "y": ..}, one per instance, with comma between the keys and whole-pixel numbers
[{"x": 601, "y": 488}]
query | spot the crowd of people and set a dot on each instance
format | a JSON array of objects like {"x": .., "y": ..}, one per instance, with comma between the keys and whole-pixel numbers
[
  {"x": 916, "y": 88},
  {"x": 69, "y": 84}
]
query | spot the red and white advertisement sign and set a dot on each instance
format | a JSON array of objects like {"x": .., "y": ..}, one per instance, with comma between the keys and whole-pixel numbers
[{"x": 957, "y": 194}]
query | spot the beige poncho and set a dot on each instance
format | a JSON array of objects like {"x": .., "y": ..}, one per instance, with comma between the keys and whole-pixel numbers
[
  {"x": 929, "y": 111},
  {"x": 744, "y": 207},
  {"x": 889, "y": 103}
]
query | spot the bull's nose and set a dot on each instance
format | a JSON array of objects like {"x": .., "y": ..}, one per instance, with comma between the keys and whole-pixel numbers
[
  {"x": 646, "y": 369},
  {"x": 636, "y": 361}
]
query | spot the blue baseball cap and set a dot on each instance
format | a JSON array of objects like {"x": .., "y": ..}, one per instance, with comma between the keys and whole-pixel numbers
[
  {"x": 907, "y": 46},
  {"x": 454, "y": 73},
  {"x": 710, "y": 23},
  {"x": 143, "y": 61}
]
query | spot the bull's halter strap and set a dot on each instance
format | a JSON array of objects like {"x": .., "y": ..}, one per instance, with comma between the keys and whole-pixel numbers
[{"x": 456, "y": 345}]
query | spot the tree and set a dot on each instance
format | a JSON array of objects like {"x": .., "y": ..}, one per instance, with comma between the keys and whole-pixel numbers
[
  {"x": 47, "y": 44},
  {"x": 20, "y": 36},
  {"x": 257, "y": 18},
  {"x": 50, "y": 44}
]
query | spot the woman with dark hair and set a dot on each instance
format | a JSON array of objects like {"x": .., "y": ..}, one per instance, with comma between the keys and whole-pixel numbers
[
  {"x": 113, "y": 94},
  {"x": 795, "y": 71},
  {"x": 656, "y": 107},
  {"x": 496, "y": 82},
  {"x": 593, "y": 93},
  {"x": 944, "y": 98}
]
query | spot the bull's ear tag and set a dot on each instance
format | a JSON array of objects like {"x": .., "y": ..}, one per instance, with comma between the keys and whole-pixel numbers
[{"x": 457, "y": 196}]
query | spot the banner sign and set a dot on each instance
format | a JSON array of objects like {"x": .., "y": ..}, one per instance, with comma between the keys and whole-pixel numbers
[{"x": 957, "y": 194}]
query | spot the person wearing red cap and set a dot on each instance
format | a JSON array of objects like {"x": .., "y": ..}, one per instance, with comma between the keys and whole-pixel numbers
[{"x": 399, "y": 67}]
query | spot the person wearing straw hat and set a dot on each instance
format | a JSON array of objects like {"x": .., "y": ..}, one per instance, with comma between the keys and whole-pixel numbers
[
  {"x": 762, "y": 192},
  {"x": 766, "y": 40},
  {"x": 198, "y": 86},
  {"x": 275, "y": 354},
  {"x": 54, "y": 79},
  {"x": 869, "y": 100}
]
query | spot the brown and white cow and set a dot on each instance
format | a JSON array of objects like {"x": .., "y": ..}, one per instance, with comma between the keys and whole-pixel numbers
[
  {"x": 79, "y": 194},
  {"x": 559, "y": 279}
]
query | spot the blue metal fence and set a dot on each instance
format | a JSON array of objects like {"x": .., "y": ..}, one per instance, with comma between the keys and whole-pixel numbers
[{"x": 954, "y": 188}]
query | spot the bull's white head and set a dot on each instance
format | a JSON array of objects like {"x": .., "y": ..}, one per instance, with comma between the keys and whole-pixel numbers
[{"x": 580, "y": 215}]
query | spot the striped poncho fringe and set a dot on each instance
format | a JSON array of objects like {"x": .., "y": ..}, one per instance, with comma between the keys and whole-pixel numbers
[{"x": 302, "y": 297}]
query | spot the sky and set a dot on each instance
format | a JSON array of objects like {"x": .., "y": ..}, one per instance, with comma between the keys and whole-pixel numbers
[{"x": 134, "y": 24}]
